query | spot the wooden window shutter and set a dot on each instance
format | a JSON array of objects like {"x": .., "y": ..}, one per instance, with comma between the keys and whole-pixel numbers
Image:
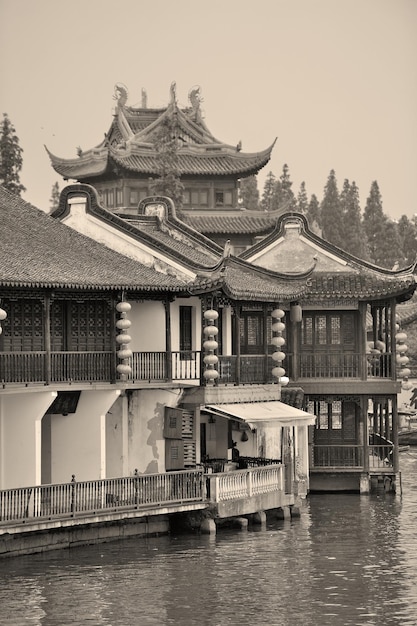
[
  {"x": 174, "y": 454},
  {"x": 172, "y": 423}
]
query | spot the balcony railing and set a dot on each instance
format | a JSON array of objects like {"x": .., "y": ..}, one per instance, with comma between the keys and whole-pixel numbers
[
  {"x": 349, "y": 365},
  {"x": 98, "y": 496},
  {"x": 245, "y": 483},
  {"x": 41, "y": 367},
  {"x": 352, "y": 456}
]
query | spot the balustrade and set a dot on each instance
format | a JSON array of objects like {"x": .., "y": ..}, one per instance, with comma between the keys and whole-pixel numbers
[
  {"x": 98, "y": 496},
  {"x": 34, "y": 367}
]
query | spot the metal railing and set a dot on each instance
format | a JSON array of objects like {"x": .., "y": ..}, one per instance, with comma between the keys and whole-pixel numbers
[{"x": 98, "y": 496}]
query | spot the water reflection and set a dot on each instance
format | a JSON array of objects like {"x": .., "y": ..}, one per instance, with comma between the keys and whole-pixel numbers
[{"x": 349, "y": 560}]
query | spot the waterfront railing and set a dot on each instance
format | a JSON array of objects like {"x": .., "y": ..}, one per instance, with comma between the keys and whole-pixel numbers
[{"x": 100, "y": 496}]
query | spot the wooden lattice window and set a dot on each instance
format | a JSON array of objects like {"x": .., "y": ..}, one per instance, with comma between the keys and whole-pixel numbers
[{"x": 23, "y": 329}]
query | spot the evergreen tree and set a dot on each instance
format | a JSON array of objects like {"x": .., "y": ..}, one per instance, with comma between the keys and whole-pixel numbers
[
  {"x": 166, "y": 146},
  {"x": 314, "y": 215},
  {"x": 390, "y": 254},
  {"x": 54, "y": 200},
  {"x": 407, "y": 231},
  {"x": 268, "y": 192},
  {"x": 11, "y": 160},
  {"x": 374, "y": 222},
  {"x": 355, "y": 238},
  {"x": 331, "y": 213},
  {"x": 285, "y": 198},
  {"x": 248, "y": 193},
  {"x": 302, "y": 199}
]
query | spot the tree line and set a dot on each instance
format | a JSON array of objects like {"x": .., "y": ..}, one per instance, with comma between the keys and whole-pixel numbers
[{"x": 369, "y": 234}]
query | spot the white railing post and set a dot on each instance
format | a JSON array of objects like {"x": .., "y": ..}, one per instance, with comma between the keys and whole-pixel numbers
[{"x": 249, "y": 482}]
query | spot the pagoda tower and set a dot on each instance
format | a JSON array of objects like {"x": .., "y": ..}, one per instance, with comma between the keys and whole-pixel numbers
[{"x": 123, "y": 166}]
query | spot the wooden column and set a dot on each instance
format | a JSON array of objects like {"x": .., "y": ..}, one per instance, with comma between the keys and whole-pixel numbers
[
  {"x": 265, "y": 342},
  {"x": 395, "y": 427},
  {"x": 47, "y": 331},
  {"x": 113, "y": 332},
  {"x": 168, "y": 334},
  {"x": 363, "y": 408},
  {"x": 237, "y": 341},
  {"x": 393, "y": 343}
]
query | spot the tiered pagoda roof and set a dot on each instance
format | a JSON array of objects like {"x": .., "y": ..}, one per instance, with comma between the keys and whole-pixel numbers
[{"x": 129, "y": 145}]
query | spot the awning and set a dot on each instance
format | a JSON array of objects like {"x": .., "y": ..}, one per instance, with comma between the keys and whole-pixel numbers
[{"x": 266, "y": 412}]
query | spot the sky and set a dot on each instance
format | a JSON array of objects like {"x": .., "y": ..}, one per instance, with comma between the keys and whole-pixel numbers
[{"x": 334, "y": 81}]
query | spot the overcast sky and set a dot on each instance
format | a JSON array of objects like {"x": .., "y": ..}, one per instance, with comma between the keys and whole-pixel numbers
[{"x": 334, "y": 80}]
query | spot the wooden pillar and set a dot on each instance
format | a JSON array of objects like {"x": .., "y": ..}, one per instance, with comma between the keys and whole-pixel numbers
[
  {"x": 113, "y": 332},
  {"x": 47, "y": 331},
  {"x": 395, "y": 426},
  {"x": 237, "y": 341},
  {"x": 168, "y": 335},
  {"x": 211, "y": 198},
  {"x": 293, "y": 339},
  {"x": 363, "y": 408},
  {"x": 393, "y": 343},
  {"x": 265, "y": 342}
]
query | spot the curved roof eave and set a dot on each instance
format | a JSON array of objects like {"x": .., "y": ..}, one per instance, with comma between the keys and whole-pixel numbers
[{"x": 91, "y": 163}]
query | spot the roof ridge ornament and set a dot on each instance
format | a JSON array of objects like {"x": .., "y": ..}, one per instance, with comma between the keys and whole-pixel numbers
[{"x": 120, "y": 94}]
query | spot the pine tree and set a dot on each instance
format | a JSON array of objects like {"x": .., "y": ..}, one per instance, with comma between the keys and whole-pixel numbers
[
  {"x": 268, "y": 192},
  {"x": 314, "y": 215},
  {"x": 390, "y": 254},
  {"x": 54, "y": 200},
  {"x": 374, "y": 222},
  {"x": 285, "y": 196},
  {"x": 302, "y": 199},
  {"x": 248, "y": 193},
  {"x": 166, "y": 145},
  {"x": 11, "y": 160},
  {"x": 355, "y": 238},
  {"x": 331, "y": 213},
  {"x": 407, "y": 231}
]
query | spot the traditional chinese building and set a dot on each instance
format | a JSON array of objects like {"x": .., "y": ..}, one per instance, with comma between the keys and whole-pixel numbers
[
  {"x": 120, "y": 359},
  {"x": 122, "y": 166}
]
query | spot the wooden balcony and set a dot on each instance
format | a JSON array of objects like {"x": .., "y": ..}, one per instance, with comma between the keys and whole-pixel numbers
[
  {"x": 92, "y": 367},
  {"x": 379, "y": 458}
]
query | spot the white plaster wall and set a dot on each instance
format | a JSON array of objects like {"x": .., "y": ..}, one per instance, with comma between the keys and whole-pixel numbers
[
  {"x": 114, "y": 440},
  {"x": 20, "y": 437},
  {"x": 148, "y": 327},
  {"x": 78, "y": 440},
  {"x": 146, "y": 423},
  {"x": 117, "y": 240}
]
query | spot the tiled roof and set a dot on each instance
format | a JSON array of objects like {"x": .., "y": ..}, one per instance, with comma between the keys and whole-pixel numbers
[
  {"x": 360, "y": 286},
  {"x": 129, "y": 144},
  {"x": 241, "y": 223},
  {"x": 338, "y": 274},
  {"x": 197, "y": 163},
  {"x": 175, "y": 242},
  {"x": 242, "y": 281},
  {"x": 38, "y": 251},
  {"x": 92, "y": 163}
]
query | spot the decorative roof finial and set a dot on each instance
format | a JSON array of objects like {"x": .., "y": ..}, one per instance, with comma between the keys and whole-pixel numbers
[
  {"x": 120, "y": 94},
  {"x": 173, "y": 91},
  {"x": 194, "y": 96}
]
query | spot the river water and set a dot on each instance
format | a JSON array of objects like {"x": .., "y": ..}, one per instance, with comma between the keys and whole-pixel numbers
[{"x": 348, "y": 559}]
